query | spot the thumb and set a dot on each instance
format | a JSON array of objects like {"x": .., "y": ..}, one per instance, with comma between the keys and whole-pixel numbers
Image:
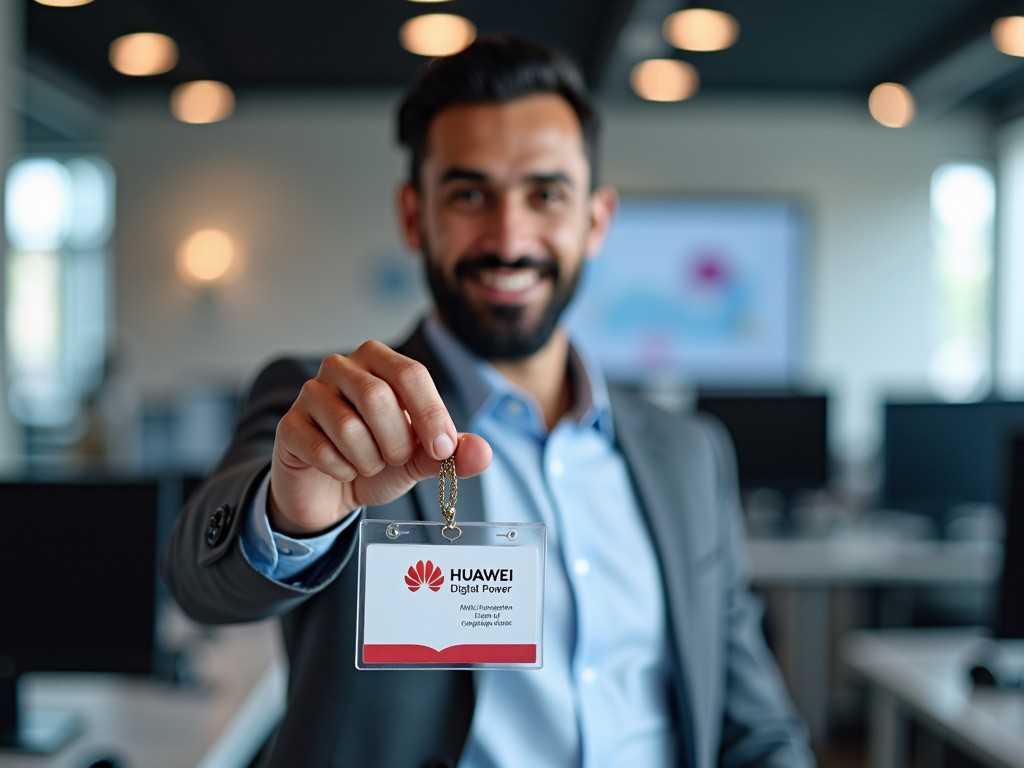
[{"x": 472, "y": 455}]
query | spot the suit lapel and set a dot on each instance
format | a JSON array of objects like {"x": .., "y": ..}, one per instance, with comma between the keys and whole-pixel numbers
[{"x": 646, "y": 443}]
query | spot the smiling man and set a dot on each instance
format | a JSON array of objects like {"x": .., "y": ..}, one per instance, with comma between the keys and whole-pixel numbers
[
  {"x": 503, "y": 212},
  {"x": 653, "y": 654}
]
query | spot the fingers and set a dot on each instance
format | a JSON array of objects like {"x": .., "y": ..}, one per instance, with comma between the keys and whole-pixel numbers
[
  {"x": 324, "y": 432},
  {"x": 409, "y": 381},
  {"x": 365, "y": 412},
  {"x": 362, "y": 432}
]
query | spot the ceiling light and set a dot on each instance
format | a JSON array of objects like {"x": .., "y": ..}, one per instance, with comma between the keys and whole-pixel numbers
[
  {"x": 143, "y": 53},
  {"x": 892, "y": 105},
  {"x": 1008, "y": 35},
  {"x": 664, "y": 80},
  {"x": 202, "y": 101},
  {"x": 701, "y": 29},
  {"x": 436, "y": 34},
  {"x": 63, "y": 3}
]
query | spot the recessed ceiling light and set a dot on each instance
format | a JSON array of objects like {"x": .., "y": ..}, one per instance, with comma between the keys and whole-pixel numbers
[
  {"x": 202, "y": 101},
  {"x": 63, "y": 3},
  {"x": 891, "y": 105},
  {"x": 436, "y": 34},
  {"x": 664, "y": 80},
  {"x": 701, "y": 29},
  {"x": 143, "y": 54},
  {"x": 1008, "y": 35}
]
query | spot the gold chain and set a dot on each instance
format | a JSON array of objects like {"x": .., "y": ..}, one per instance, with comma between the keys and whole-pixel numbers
[{"x": 447, "y": 473}]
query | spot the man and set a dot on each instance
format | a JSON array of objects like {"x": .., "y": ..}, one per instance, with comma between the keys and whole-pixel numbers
[{"x": 653, "y": 654}]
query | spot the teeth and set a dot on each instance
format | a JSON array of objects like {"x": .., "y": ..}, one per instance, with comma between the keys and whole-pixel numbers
[{"x": 510, "y": 282}]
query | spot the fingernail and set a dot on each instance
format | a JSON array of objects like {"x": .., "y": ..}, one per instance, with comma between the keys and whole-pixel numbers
[{"x": 443, "y": 447}]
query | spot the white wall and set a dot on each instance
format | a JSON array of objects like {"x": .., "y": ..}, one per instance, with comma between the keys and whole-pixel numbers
[{"x": 308, "y": 186}]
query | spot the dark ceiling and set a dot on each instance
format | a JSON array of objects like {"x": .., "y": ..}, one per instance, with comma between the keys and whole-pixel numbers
[{"x": 939, "y": 48}]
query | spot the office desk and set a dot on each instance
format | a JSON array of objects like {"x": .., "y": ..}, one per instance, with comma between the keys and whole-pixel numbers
[
  {"x": 922, "y": 675},
  {"x": 220, "y": 723},
  {"x": 805, "y": 571}
]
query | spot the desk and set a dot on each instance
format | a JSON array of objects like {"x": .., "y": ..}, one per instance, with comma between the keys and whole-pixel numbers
[
  {"x": 922, "y": 674},
  {"x": 221, "y": 723},
  {"x": 806, "y": 570}
]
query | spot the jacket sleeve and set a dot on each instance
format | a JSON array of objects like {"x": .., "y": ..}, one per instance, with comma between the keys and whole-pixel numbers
[{"x": 204, "y": 566}]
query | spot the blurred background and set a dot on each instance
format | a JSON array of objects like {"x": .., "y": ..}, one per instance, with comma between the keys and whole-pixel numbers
[
  {"x": 820, "y": 241},
  {"x": 882, "y": 266}
]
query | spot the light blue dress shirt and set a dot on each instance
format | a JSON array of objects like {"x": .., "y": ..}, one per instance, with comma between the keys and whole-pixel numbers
[{"x": 602, "y": 698}]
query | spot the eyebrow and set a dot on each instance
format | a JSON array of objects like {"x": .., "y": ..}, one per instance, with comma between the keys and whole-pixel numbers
[{"x": 468, "y": 174}]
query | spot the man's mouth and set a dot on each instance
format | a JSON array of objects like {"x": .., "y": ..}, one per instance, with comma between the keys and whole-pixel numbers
[
  {"x": 505, "y": 281},
  {"x": 508, "y": 280}
]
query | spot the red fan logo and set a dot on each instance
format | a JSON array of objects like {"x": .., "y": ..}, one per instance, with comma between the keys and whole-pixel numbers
[{"x": 424, "y": 574}]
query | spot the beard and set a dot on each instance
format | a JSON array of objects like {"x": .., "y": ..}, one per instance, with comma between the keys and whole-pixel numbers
[{"x": 500, "y": 332}]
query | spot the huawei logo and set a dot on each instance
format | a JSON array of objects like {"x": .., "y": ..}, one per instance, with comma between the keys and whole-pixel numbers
[{"x": 424, "y": 574}]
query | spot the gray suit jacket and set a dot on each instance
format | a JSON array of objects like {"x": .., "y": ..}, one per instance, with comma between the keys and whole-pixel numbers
[{"x": 731, "y": 706}]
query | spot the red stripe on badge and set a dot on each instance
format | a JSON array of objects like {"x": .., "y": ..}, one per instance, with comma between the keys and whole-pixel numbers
[{"x": 524, "y": 653}]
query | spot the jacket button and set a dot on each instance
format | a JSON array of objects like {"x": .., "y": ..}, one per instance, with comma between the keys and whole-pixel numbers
[{"x": 217, "y": 526}]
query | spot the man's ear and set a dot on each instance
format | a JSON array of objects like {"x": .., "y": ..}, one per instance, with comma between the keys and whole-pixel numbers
[
  {"x": 409, "y": 216},
  {"x": 603, "y": 203}
]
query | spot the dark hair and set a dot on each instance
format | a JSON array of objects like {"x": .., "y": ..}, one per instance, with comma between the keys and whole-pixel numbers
[{"x": 494, "y": 69}]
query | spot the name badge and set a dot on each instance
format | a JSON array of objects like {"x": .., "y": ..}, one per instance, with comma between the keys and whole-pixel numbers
[{"x": 428, "y": 601}]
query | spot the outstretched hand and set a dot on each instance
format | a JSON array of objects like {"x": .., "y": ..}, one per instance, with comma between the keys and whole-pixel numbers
[{"x": 362, "y": 432}]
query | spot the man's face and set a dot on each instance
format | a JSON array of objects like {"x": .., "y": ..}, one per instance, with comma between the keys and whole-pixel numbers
[{"x": 504, "y": 217}]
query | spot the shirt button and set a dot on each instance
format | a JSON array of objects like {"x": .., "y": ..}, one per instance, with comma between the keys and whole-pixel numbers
[
  {"x": 581, "y": 566},
  {"x": 588, "y": 675},
  {"x": 557, "y": 468}
]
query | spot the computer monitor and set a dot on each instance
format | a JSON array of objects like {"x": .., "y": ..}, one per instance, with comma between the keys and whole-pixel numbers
[
  {"x": 78, "y": 569},
  {"x": 781, "y": 436},
  {"x": 939, "y": 458},
  {"x": 1008, "y": 620}
]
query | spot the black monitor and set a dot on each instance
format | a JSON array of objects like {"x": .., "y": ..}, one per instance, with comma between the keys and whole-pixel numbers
[
  {"x": 78, "y": 569},
  {"x": 939, "y": 458},
  {"x": 781, "y": 436},
  {"x": 1008, "y": 621}
]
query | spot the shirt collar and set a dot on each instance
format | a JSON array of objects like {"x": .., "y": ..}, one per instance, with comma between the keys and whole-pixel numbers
[{"x": 484, "y": 390}]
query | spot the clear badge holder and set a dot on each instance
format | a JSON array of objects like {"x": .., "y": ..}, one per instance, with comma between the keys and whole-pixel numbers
[{"x": 444, "y": 596}]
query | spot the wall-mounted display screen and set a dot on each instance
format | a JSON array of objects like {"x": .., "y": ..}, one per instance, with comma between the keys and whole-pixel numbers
[{"x": 702, "y": 291}]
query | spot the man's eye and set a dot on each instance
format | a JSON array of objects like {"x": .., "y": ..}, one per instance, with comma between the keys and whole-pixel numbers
[
  {"x": 469, "y": 198},
  {"x": 548, "y": 196}
]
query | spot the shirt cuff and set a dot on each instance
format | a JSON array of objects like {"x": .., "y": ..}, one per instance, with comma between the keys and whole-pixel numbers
[{"x": 277, "y": 555}]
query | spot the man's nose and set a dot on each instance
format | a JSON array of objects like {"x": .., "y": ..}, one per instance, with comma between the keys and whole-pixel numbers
[{"x": 509, "y": 229}]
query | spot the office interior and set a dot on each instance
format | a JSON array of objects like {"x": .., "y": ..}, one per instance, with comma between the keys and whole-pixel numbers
[{"x": 885, "y": 415}]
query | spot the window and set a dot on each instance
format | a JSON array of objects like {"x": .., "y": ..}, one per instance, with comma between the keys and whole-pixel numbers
[
  {"x": 963, "y": 222},
  {"x": 59, "y": 218}
]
